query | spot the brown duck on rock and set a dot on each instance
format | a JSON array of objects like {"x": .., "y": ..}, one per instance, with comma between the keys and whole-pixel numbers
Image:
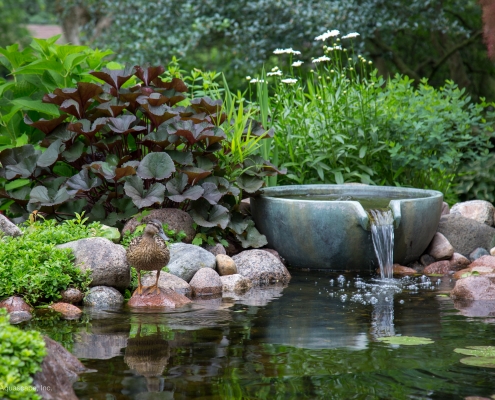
[{"x": 149, "y": 252}]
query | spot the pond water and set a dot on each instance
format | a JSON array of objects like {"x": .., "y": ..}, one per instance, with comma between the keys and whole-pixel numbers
[
  {"x": 317, "y": 338},
  {"x": 364, "y": 199}
]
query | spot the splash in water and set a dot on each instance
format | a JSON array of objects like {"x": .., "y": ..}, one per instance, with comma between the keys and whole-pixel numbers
[{"x": 382, "y": 233}]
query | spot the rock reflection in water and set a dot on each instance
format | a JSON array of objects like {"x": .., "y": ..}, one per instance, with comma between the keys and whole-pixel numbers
[
  {"x": 104, "y": 338},
  {"x": 476, "y": 308}
]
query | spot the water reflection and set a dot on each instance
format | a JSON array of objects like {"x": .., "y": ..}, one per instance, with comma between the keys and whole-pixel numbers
[
  {"x": 320, "y": 328},
  {"x": 382, "y": 316},
  {"x": 148, "y": 354}
]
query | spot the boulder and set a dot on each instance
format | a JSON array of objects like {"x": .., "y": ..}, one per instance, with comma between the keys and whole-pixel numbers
[
  {"x": 484, "y": 261},
  {"x": 235, "y": 283},
  {"x": 8, "y": 228},
  {"x": 440, "y": 267},
  {"x": 164, "y": 298},
  {"x": 479, "y": 270},
  {"x": 206, "y": 282},
  {"x": 106, "y": 260},
  {"x": 15, "y": 303},
  {"x": 477, "y": 253},
  {"x": 59, "y": 370},
  {"x": 216, "y": 250},
  {"x": 167, "y": 281},
  {"x": 176, "y": 219},
  {"x": 71, "y": 295},
  {"x": 16, "y": 317},
  {"x": 458, "y": 261},
  {"x": 103, "y": 296},
  {"x": 426, "y": 260},
  {"x": 186, "y": 259},
  {"x": 445, "y": 209},
  {"x": 440, "y": 248},
  {"x": 261, "y": 267},
  {"x": 474, "y": 288},
  {"x": 400, "y": 270},
  {"x": 275, "y": 253},
  {"x": 225, "y": 265},
  {"x": 479, "y": 210},
  {"x": 67, "y": 310},
  {"x": 466, "y": 234}
]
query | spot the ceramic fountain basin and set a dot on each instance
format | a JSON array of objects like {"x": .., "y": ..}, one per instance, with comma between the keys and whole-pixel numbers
[{"x": 326, "y": 227}]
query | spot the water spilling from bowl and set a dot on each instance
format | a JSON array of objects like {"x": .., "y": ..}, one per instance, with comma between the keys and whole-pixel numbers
[{"x": 382, "y": 234}]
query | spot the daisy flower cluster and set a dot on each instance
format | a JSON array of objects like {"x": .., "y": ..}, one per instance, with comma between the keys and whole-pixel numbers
[{"x": 286, "y": 51}]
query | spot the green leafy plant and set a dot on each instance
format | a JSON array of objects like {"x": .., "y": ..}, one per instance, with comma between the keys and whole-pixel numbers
[
  {"x": 342, "y": 123},
  {"x": 131, "y": 148},
  {"x": 33, "y": 72},
  {"x": 21, "y": 354},
  {"x": 40, "y": 271}
]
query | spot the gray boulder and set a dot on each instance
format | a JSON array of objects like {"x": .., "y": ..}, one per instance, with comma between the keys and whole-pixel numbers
[
  {"x": 478, "y": 253},
  {"x": 176, "y": 219},
  {"x": 103, "y": 296},
  {"x": 16, "y": 317},
  {"x": 261, "y": 267},
  {"x": 107, "y": 261},
  {"x": 479, "y": 210},
  {"x": 206, "y": 282},
  {"x": 168, "y": 281},
  {"x": 440, "y": 248},
  {"x": 8, "y": 227},
  {"x": 466, "y": 234},
  {"x": 235, "y": 283},
  {"x": 186, "y": 259},
  {"x": 216, "y": 250}
]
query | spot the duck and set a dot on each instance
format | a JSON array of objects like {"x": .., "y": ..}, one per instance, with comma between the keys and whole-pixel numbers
[{"x": 149, "y": 252}]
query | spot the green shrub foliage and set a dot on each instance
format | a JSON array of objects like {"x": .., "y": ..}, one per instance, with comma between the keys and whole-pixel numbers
[
  {"x": 342, "y": 123},
  {"x": 132, "y": 146},
  {"x": 21, "y": 354},
  {"x": 32, "y": 267}
]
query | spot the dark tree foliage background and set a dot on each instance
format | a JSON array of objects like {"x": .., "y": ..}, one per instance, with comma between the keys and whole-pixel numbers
[{"x": 436, "y": 39}]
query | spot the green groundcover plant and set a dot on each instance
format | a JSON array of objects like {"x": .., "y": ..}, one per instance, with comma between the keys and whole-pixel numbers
[
  {"x": 21, "y": 354},
  {"x": 32, "y": 267},
  {"x": 343, "y": 123}
]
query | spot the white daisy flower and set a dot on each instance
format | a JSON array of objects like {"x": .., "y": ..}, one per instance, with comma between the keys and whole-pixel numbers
[
  {"x": 290, "y": 81},
  {"x": 327, "y": 34},
  {"x": 248, "y": 78},
  {"x": 257, "y": 80},
  {"x": 290, "y": 50},
  {"x": 279, "y": 73},
  {"x": 274, "y": 69},
  {"x": 320, "y": 59},
  {"x": 297, "y": 63},
  {"x": 350, "y": 35}
]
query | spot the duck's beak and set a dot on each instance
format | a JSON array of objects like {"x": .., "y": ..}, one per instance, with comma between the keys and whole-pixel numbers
[{"x": 163, "y": 236}]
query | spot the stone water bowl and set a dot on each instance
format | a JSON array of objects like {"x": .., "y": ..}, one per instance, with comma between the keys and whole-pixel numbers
[{"x": 327, "y": 227}]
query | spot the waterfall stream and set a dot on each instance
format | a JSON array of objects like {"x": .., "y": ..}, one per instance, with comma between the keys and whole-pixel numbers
[{"x": 382, "y": 233}]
